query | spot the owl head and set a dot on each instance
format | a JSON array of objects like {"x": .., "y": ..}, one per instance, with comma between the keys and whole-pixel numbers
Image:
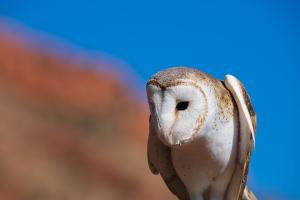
[{"x": 178, "y": 104}]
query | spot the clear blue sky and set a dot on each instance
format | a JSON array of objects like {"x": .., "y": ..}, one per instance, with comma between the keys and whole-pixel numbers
[{"x": 258, "y": 41}]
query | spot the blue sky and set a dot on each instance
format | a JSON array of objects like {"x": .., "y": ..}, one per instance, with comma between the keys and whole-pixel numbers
[{"x": 257, "y": 41}]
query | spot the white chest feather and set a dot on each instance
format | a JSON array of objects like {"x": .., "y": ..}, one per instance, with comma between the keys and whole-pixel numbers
[{"x": 205, "y": 159}]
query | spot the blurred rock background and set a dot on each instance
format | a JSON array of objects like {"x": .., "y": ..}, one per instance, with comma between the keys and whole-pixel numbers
[{"x": 68, "y": 132}]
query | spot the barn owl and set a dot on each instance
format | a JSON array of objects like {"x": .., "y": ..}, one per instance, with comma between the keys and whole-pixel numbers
[{"x": 201, "y": 132}]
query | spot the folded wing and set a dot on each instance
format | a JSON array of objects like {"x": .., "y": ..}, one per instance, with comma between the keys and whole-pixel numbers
[
  {"x": 159, "y": 159},
  {"x": 247, "y": 122}
]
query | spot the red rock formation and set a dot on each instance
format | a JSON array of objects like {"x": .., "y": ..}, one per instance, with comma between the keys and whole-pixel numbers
[{"x": 69, "y": 133}]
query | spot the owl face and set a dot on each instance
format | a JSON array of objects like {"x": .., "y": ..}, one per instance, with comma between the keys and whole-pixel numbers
[{"x": 177, "y": 110}]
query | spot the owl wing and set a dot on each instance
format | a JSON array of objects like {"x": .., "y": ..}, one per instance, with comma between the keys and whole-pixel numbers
[
  {"x": 247, "y": 121},
  {"x": 159, "y": 160}
]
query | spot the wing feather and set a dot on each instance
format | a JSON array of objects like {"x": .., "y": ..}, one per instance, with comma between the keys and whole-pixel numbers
[
  {"x": 247, "y": 121},
  {"x": 159, "y": 160}
]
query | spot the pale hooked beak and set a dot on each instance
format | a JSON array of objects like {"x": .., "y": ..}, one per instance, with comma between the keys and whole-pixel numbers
[
  {"x": 165, "y": 135},
  {"x": 164, "y": 132}
]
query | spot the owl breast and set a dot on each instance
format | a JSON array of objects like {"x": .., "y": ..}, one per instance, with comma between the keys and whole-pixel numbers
[{"x": 205, "y": 159}]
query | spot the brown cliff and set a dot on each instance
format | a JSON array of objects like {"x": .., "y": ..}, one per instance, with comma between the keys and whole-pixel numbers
[{"x": 67, "y": 132}]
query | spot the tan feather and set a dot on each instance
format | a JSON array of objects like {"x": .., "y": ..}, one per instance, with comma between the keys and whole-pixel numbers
[
  {"x": 247, "y": 132},
  {"x": 159, "y": 159}
]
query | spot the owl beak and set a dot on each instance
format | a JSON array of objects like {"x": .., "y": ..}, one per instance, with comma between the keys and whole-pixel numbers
[
  {"x": 168, "y": 140},
  {"x": 161, "y": 133},
  {"x": 165, "y": 122}
]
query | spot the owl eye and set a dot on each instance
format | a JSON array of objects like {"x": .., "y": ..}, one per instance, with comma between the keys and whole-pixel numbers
[{"x": 182, "y": 105}]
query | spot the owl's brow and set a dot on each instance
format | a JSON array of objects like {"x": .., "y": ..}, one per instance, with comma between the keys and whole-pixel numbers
[{"x": 171, "y": 84}]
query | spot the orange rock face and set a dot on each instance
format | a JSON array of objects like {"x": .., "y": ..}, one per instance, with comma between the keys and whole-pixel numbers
[{"x": 69, "y": 133}]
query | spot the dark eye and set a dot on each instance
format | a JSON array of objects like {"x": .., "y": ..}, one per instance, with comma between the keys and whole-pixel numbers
[{"x": 182, "y": 105}]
